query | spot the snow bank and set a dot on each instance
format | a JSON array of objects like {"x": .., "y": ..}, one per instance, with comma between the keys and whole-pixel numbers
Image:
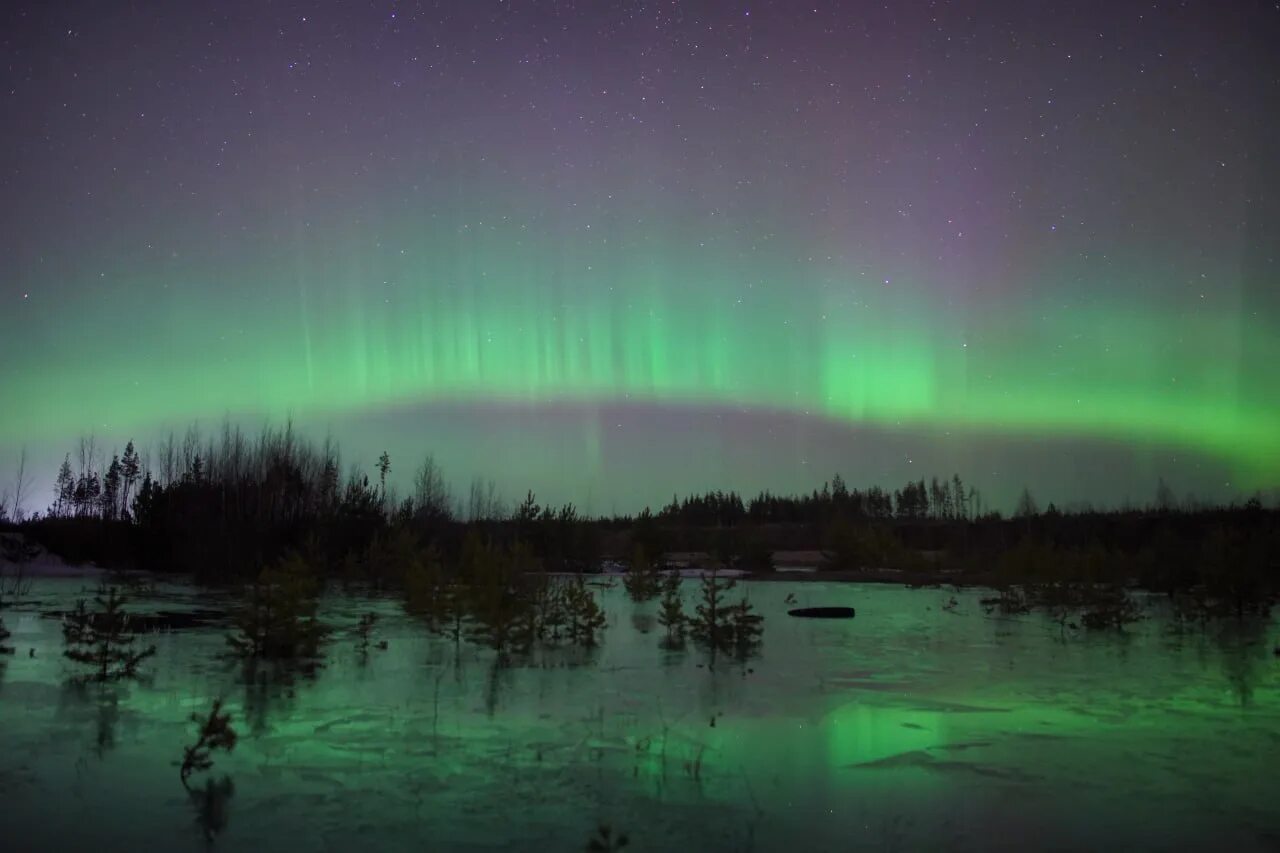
[{"x": 21, "y": 556}]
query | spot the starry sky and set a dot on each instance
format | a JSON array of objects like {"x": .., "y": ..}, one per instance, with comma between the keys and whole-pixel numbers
[{"x": 615, "y": 250}]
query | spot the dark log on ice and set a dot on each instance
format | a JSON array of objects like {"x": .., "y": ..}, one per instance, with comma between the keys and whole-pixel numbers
[{"x": 822, "y": 612}]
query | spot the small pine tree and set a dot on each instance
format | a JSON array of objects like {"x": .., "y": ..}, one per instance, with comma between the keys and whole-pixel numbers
[
  {"x": 583, "y": 616},
  {"x": 425, "y": 588},
  {"x": 440, "y": 601},
  {"x": 215, "y": 733},
  {"x": 710, "y": 622},
  {"x": 279, "y": 619},
  {"x": 553, "y": 614},
  {"x": 671, "y": 615},
  {"x": 748, "y": 626},
  {"x": 491, "y": 601},
  {"x": 534, "y": 595},
  {"x": 101, "y": 638},
  {"x": 641, "y": 580},
  {"x": 723, "y": 626}
]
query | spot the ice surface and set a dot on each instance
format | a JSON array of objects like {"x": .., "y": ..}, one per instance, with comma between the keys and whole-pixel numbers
[{"x": 905, "y": 728}]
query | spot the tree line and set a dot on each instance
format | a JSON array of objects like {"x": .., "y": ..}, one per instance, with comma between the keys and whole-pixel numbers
[
  {"x": 944, "y": 500},
  {"x": 223, "y": 506}
]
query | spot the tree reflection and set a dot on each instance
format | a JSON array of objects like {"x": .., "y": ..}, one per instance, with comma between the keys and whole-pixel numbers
[
  {"x": 499, "y": 677},
  {"x": 269, "y": 689},
  {"x": 107, "y": 719},
  {"x": 1243, "y": 648},
  {"x": 5, "y": 651},
  {"x": 103, "y": 700},
  {"x": 212, "y": 806}
]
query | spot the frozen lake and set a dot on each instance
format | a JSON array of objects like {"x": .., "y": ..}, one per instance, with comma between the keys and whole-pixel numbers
[{"x": 908, "y": 727}]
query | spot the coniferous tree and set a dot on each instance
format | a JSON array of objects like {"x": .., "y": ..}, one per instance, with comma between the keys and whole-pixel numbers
[
  {"x": 130, "y": 470},
  {"x": 528, "y": 511},
  {"x": 384, "y": 466},
  {"x": 710, "y": 622},
  {"x": 144, "y": 500},
  {"x": 64, "y": 488},
  {"x": 492, "y": 603},
  {"x": 102, "y": 639},
  {"x": 671, "y": 615},
  {"x": 723, "y": 626},
  {"x": 641, "y": 580},
  {"x": 957, "y": 495},
  {"x": 111, "y": 484},
  {"x": 327, "y": 488},
  {"x": 583, "y": 617},
  {"x": 839, "y": 491},
  {"x": 279, "y": 619},
  {"x": 437, "y": 599},
  {"x": 748, "y": 626},
  {"x": 87, "y": 495}
]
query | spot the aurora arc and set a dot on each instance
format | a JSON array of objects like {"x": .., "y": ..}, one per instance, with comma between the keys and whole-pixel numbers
[{"x": 512, "y": 321}]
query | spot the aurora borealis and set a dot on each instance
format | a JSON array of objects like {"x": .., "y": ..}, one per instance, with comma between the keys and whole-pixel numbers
[{"x": 868, "y": 226}]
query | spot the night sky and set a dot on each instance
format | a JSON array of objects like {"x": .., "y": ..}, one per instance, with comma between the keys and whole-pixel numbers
[{"x": 611, "y": 251}]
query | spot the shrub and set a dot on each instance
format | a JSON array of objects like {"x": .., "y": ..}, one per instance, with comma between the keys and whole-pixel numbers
[
  {"x": 215, "y": 733},
  {"x": 604, "y": 841},
  {"x": 1110, "y": 607},
  {"x": 1008, "y": 601}
]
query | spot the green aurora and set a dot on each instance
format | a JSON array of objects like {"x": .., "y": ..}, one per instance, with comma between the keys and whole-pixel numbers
[
  {"x": 576, "y": 249},
  {"x": 506, "y": 319}
]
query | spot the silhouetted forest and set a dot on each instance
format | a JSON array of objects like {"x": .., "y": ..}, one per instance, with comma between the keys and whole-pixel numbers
[{"x": 223, "y": 508}]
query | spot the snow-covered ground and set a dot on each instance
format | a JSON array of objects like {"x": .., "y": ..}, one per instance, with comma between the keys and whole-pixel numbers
[{"x": 20, "y": 557}]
